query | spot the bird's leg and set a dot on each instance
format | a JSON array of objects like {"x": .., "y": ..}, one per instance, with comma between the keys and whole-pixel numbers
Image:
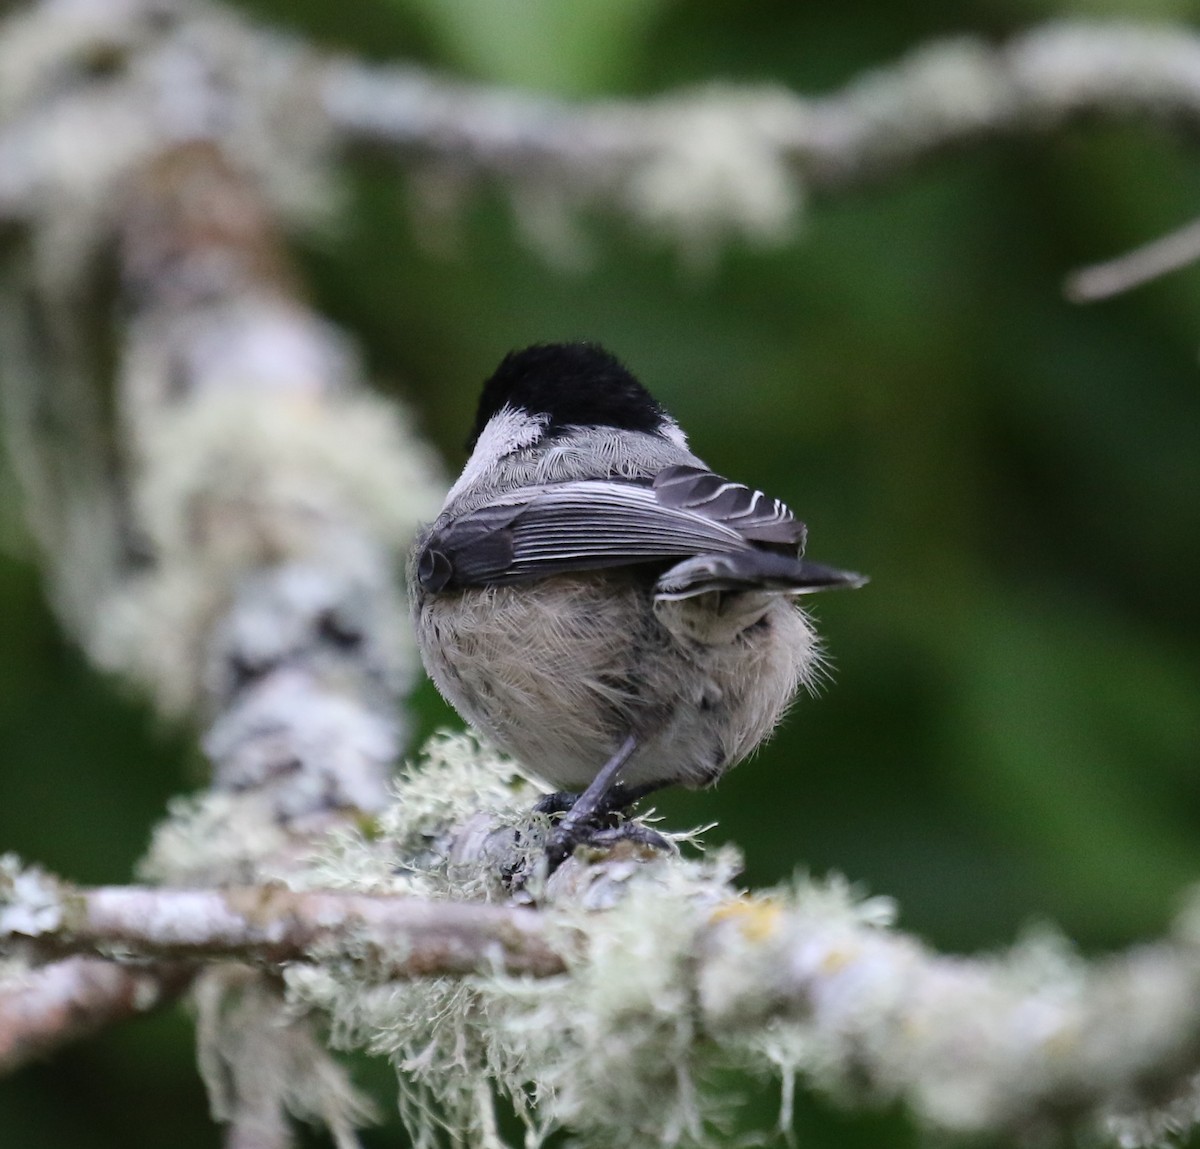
[{"x": 570, "y": 831}]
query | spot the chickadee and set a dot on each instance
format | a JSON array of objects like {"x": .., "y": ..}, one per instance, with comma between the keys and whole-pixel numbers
[{"x": 597, "y": 601}]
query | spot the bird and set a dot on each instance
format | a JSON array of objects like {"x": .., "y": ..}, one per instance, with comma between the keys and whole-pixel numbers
[{"x": 598, "y": 602}]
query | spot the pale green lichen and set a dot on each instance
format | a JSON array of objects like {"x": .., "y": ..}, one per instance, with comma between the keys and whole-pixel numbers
[
  {"x": 259, "y": 1062},
  {"x": 674, "y": 976},
  {"x": 31, "y": 901},
  {"x": 719, "y": 169},
  {"x": 609, "y": 1051},
  {"x": 423, "y": 843},
  {"x": 216, "y": 838},
  {"x": 240, "y": 480},
  {"x": 1167, "y": 1125}
]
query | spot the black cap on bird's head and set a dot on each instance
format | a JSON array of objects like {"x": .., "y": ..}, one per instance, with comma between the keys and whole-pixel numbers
[{"x": 573, "y": 385}]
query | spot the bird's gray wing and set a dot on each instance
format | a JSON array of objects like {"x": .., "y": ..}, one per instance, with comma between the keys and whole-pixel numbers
[
  {"x": 774, "y": 538},
  {"x": 750, "y": 570},
  {"x": 573, "y": 526},
  {"x": 713, "y": 533},
  {"x": 756, "y": 517}
]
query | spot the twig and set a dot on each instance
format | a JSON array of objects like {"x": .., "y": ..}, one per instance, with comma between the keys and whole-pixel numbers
[
  {"x": 72, "y": 999},
  {"x": 1025, "y": 1042},
  {"x": 1151, "y": 261}
]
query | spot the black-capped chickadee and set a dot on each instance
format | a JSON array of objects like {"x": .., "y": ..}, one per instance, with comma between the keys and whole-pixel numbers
[{"x": 597, "y": 601}]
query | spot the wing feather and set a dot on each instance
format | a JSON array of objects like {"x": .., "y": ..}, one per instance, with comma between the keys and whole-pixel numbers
[
  {"x": 755, "y": 516},
  {"x": 686, "y": 513}
]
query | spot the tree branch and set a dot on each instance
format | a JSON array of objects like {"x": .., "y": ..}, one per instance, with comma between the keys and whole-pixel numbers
[
  {"x": 269, "y": 926},
  {"x": 687, "y": 148},
  {"x": 696, "y": 164},
  {"x": 235, "y": 554},
  {"x": 66, "y": 1001},
  {"x": 1024, "y": 1043}
]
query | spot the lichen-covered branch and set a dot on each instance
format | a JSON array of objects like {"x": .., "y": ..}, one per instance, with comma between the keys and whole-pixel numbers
[
  {"x": 42, "y": 1009},
  {"x": 230, "y": 539},
  {"x": 221, "y": 505},
  {"x": 655, "y": 969},
  {"x": 270, "y": 926},
  {"x": 700, "y": 163},
  {"x": 276, "y": 501},
  {"x": 695, "y": 165}
]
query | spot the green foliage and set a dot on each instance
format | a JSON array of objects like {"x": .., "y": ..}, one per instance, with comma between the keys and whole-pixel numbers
[{"x": 580, "y": 46}]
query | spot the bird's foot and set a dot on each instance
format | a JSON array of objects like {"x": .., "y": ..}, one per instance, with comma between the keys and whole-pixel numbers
[
  {"x": 618, "y": 799},
  {"x": 600, "y": 824},
  {"x": 572, "y": 828},
  {"x": 596, "y": 817},
  {"x": 601, "y": 831},
  {"x": 607, "y": 839}
]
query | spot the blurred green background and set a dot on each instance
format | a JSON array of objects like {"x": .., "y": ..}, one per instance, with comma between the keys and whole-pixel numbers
[{"x": 1012, "y": 728}]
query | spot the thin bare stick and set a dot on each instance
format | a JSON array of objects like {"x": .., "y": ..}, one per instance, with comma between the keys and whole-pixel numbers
[{"x": 1151, "y": 261}]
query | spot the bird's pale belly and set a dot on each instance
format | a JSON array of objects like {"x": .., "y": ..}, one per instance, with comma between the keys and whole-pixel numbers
[{"x": 559, "y": 672}]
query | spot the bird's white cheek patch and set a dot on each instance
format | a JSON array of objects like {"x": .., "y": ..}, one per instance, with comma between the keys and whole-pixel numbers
[
  {"x": 674, "y": 432},
  {"x": 507, "y": 431}
]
